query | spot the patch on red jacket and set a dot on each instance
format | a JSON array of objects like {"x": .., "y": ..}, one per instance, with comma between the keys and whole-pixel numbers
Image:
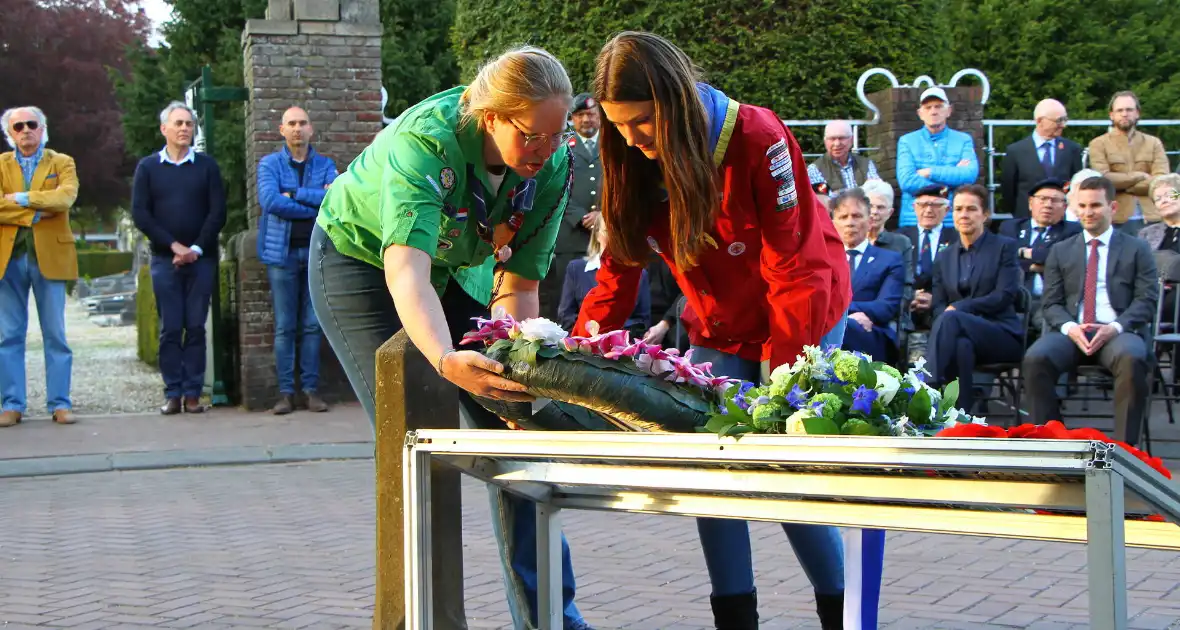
[{"x": 783, "y": 171}]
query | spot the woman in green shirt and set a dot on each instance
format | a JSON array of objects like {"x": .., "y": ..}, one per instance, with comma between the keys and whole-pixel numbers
[{"x": 453, "y": 209}]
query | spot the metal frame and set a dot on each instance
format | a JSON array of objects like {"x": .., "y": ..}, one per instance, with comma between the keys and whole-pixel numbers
[{"x": 981, "y": 487}]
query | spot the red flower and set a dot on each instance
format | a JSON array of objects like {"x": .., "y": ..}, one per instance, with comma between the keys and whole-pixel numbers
[{"x": 973, "y": 430}]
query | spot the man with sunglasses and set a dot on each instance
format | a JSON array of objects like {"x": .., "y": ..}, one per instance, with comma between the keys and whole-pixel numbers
[
  {"x": 37, "y": 188},
  {"x": 1043, "y": 155}
]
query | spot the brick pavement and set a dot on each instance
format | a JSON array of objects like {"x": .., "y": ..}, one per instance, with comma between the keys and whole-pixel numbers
[{"x": 290, "y": 546}]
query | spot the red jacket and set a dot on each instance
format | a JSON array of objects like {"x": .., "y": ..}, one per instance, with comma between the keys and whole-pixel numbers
[{"x": 777, "y": 279}]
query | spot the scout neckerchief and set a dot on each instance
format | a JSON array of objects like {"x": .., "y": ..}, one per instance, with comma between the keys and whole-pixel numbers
[{"x": 502, "y": 237}]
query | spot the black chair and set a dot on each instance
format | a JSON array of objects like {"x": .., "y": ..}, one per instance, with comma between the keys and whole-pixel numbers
[
  {"x": 1165, "y": 344},
  {"x": 1006, "y": 376}
]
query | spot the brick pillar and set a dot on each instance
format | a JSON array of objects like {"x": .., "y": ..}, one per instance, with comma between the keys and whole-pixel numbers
[
  {"x": 899, "y": 116},
  {"x": 324, "y": 56}
]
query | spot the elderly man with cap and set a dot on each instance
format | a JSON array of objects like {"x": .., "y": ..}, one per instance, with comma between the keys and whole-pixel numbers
[
  {"x": 838, "y": 169},
  {"x": 1035, "y": 235},
  {"x": 934, "y": 155},
  {"x": 929, "y": 237},
  {"x": 582, "y": 211},
  {"x": 1044, "y": 154}
]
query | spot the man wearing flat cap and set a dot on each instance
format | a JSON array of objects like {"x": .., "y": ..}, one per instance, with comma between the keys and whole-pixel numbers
[
  {"x": 583, "y": 208},
  {"x": 929, "y": 237},
  {"x": 1045, "y": 227}
]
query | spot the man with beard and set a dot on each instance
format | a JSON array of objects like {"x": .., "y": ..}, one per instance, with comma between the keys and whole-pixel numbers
[
  {"x": 582, "y": 212},
  {"x": 1130, "y": 159}
]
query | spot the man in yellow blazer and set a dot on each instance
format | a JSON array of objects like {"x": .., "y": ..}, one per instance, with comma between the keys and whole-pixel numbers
[{"x": 37, "y": 188}]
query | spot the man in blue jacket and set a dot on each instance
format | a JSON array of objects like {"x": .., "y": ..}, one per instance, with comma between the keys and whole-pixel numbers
[
  {"x": 934, "y": 155},
  {"x": 291, "y": 186}
]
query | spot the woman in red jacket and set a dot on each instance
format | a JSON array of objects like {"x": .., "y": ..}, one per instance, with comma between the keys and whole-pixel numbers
[{"x": 720, "y": 191}]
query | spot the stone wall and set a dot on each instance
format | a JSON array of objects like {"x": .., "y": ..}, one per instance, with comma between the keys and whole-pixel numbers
[{"x": 324, "y": 56}]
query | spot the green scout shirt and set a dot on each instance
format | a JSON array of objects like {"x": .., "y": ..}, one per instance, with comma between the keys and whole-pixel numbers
[{"x": 411, "y": 187}]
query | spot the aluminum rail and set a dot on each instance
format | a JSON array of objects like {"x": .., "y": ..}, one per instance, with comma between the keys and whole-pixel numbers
[{"x": 1052, "y": 490}]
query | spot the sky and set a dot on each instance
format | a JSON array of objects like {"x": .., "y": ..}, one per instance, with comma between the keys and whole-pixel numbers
[{"x": 158, "y": 12}]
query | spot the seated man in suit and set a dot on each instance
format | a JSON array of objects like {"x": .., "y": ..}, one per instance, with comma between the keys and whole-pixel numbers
[
  {"x": 1100, "y": 297},
  {"x": 928, "y": 238},
  {"x": 976, "y": 285},
  {"x": 1035, "y": 235},
  {"x": 877, "y": 275},
  {"x": 1044, "y": 154}
]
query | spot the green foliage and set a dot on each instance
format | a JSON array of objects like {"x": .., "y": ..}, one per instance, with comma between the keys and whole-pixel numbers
[
  {"x": 147, "y": 321},
  {"x": 96, "y": 263},
  {"x": 1080, "y": 54},
  {"x": 416, "y": 58},
  {"x": 801, "y": 59}
]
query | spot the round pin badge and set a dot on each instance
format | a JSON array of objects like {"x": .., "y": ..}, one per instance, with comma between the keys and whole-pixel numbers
[
  {"x": 454, "y": 233},
  {"x": 736, "y": 249},
  {"x": 446, "y": 177},
  {"x": 651, "y": 240}
]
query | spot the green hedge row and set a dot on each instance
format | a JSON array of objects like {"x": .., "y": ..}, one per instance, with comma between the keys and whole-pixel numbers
[
  {"x": 147, "y": 321},
  {"x": 96, "y": 263}
]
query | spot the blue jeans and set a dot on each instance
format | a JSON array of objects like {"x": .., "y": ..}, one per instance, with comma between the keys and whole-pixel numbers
[
  {"x": 358, "y": 316},
  {"x": 21, "y": 276},
  {"x": 294, "y": 320},
  {"x": 182, "y": 302},
  {"x": 726, "y": 542}
]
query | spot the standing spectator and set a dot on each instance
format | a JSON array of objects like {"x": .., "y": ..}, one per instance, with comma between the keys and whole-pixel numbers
[
  {"x": 1043, "y": 155},
  {"x": 1094, "y": 315},
  {"x": 1129, "y": 158},
  {"x": 37, "y": 188},
  {"x": 291, "y": 186},
  {"x": 1035, "y": 235},
  {"x": 838, "y": 169},
  {"x": 934, "y": 155},
  {"x": 579, "y": 279},
  {"x": 878, "y": 279},
  {"x": 178, "y": 202},
  {"x": 573, "y": 237},
  {"x": 976, "y": 284}
]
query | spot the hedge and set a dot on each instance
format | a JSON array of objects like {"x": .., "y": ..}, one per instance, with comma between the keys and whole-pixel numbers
[
  {"x": 96, "y": 263},
  {"x": 147, "y": 321}
]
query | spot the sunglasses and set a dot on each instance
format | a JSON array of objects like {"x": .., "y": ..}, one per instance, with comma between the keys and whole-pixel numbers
[{"x": 20, "y": 126}]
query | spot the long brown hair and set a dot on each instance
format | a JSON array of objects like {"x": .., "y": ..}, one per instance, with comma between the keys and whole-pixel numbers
[{"x": 637, "y": 67}]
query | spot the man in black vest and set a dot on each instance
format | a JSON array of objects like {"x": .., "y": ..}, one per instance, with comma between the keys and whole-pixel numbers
[
  {"x": 1042, "y": 155},
  {"x": 838, "y": 168},
  {"x": 582, "y": 210}
]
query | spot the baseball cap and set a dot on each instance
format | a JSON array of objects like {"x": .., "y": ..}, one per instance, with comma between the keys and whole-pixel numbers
[{"x": 934, "y": 92}]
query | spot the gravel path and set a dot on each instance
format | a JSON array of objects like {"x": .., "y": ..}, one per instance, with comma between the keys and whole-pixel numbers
[{"x": 108, "y": 377}]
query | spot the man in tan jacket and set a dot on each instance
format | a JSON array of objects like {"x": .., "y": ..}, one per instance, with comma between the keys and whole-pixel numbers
[
  {"x": 37, "y": 188},
  {"x": 1131, "y": 159}
]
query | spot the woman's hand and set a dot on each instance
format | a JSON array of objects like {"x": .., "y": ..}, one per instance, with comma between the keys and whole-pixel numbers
[
  {"x": 655, "y": 334},
  {"x": 481, "y": 376}
]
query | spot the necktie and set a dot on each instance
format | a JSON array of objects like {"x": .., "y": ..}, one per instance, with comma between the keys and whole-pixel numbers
[
  {"x": 1038, "y": 235},
  {"x": 1033, "y": 280},
  {"x": 590, "y": 146},
  {"x": 852, "y": 254},
  {"x": 1047, "y": 158},
  {"x": 1090, "y": 288},
  {"x": 925, "y": 259}
]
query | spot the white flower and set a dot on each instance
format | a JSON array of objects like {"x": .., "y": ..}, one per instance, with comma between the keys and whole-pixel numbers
[
  {"x": 887, "y": 387},
  {"x": 592, "y": 328},
  {"x": 543, "y": 330},
  {"x": 952, "y": 417},
  {"x": 795, "y": 424},
  {"x": 785, "y": 371},
  {"x": 920, "y": 365},
  {"x": 977, "y": 420}
]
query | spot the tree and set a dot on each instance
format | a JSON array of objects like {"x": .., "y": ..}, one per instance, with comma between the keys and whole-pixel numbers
[
  {"x": 62, "y": 56},
  {"x": 416, "y": 57}
]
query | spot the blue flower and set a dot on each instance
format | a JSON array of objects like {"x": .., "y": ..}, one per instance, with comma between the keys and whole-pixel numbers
[
  {"x": 797, "y": 398},
  {"x": 740, "y": 401},
  {"x": 863, "y": 398},
  {"x": 922, "y": 377},
  {"x": 909, "y": 390}
]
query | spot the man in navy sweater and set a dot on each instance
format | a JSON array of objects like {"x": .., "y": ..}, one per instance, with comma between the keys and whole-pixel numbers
[{"x": 178, "y": 202}]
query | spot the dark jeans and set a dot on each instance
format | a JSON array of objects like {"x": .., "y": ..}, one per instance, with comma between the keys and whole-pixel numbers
[
  {"x": 295, "y": 320},
  {"x": 358, "y": 316},
  {"x": 958, "y": 342},
  {"x": 182, "y": 302}
]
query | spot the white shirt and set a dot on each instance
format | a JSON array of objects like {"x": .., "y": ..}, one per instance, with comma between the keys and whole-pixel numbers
[
  {"x": 859, "y": 248},
  {"x": 1103, "y": 311},
  {"x": 1038, "y": 281},
  {"x": 935, "y": 236},
  {"x": 1040, "y": 142},
  {"x": 191, "y": 156},
  {"x": 496, "y": 180},
  {"x": 594, "y": 263}
]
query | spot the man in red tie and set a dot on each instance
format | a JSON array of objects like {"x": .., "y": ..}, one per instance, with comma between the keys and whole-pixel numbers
[{"x": 1099, "y": 300}]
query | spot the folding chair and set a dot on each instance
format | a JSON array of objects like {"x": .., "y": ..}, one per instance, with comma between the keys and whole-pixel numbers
[{"x": 1006, "y": 376}]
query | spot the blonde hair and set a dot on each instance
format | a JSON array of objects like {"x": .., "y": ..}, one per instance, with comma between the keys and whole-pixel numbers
[
  {"x": 514, "y": 83},
  {"x": 1171, "y": 180},
  {"x": 595, "y": 247}
]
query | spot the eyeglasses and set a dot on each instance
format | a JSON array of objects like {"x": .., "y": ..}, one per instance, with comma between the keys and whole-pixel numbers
[
  {"x": 534, "y": 141},
  {"x": 1053, "y": 201},
  {"x": 1173, "y": 195},
  {"x": 20, "y": 126},
  {"x": 1060, "y": 120},
  {"x": 931, "y": 205}
]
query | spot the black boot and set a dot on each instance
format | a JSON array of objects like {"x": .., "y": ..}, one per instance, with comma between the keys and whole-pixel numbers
[
  {"x": 831, "y": 611},
  {"x": 735, "y": 612}
]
